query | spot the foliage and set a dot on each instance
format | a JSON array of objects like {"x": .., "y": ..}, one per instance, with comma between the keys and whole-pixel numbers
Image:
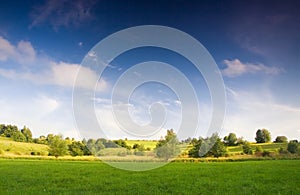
[
  {"x": 247, "y": 148},
  {"x": 27, "y": 133},
  {"x": 293, "y": 147},
  {"x": 211, "y": 146},
  {"x": 8, "y": 130},
  {"x": 281, "y": 139},
  {"x": 230, "y": 140},
  {"x": 139, "y": 149},
  {"x": 18, "y": 136},
  {"x": 258, "y": 149},
  {"x": 58, "y": 146},
  {"x": 122, "y": 143},
  {"x": 11, "y": 147},
  {"x": 262, "y": 136},
  {"x": 168, "y": 147},
  {"x": 77, "y": 148}
]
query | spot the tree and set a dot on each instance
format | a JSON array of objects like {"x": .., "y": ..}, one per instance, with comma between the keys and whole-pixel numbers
[
  {"x": 281, "y": 139},
  {"x": 218, "y": 148},
  {"x": 2, "y": 128},
  {"x": 230, "y": 140},
  {"x": 18, "y": 136},
  {"x": 58, "y": 146},
  {"x": 76, "y": 148},
  {"x": 27, "y": 133},
  {"x": 247, "y": 148},
  {"x": 262, "y": 136},
  {"x": 139, "y": 149},
  {"x": 122, "y": 143},
  {"x": 210, "y": 146},
  {"x": 168, "y": 147},
  {"x": 293, "y": 147},
  {"x": 9, "y": 130}
]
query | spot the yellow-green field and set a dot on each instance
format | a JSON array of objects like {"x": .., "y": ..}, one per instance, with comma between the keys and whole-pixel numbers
[
  {"x": 147, "y": 143},
  {"x": 271, "y": 147},
  {"x": 9, "y": 147}
]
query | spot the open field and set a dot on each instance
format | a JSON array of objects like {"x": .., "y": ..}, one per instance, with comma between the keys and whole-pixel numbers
[
  {"x": 10, "y": 147},
  {"x": 147, "y": 143},
  {"x": 271, "y": 147},
  {"x": 74, "y": 177}
]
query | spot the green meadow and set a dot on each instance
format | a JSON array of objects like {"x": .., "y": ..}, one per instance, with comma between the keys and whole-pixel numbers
[{"x": 94, "y": 177}]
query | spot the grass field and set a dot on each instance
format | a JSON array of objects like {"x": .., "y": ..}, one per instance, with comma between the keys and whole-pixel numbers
[
  {"x": 271, "y": 147},
  {"x": 10, "y": 147},
  {"x": 68, "y": 177},
  {"x": 147, "y": 143}
]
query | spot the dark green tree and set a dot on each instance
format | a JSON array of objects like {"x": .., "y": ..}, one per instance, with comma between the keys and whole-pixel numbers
[
  {"x": 58, "y": 146},
  {"x": 281, "y": 139},
  {"x": 2, "y": 128},
  {"x": 262, "y": 136},
  {"x": 122, "y": 143},
  {"x": 230, "y": 140},
  {"x": 210, "y": 146},
  {"x": 293, "y": 147},
  {"x": 9, "y": 130},
  {"x": 76, "y": 148},
  {"x": 168, "y": 148},
  {"x": 218, "y": 148}
]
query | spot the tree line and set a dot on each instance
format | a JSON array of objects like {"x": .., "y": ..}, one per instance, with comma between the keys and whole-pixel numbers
[{"x": 166, "y": 148}]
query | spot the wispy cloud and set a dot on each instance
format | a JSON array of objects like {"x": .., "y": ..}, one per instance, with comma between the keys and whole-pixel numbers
[
  {"x": 63, "y": 13},
  {"x": 236, "y": 68},
  {"x": 247, "y": 112}
]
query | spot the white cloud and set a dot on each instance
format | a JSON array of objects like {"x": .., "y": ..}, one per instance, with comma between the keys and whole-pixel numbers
[
  {"x": 60, "y": 74},
  {"x": 236, "y": 68},
  {"x": 23, "y": 52},
  {"x": 53, "y": 73}
]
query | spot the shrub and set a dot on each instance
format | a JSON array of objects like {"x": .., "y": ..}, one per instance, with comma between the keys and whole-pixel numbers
[
  {"x": 247, "y": 148},
  {"x": 258, "y": 149},
  {"x": 282, "y": 151},
  {"x": 281, "y": 139},
  {"x": 292, "y": 147},
  {"x": 266, "y": 153},
  {"x": 139, "y": 153}
]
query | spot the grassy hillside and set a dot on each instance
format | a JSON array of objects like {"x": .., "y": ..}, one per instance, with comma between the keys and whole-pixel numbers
[
  {"x": 10, "y": 147},
  {"x": 74, "y": 177},
  {"x": 271, "y": 147},
  {"x": 147, "y": 143}
]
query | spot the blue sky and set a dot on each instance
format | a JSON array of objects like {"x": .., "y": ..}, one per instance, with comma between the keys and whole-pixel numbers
[{"x": 256, "y": 46}]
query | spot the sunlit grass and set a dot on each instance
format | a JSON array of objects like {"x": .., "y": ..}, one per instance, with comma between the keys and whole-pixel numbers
[
  {"x": 10, "y": 147},
  {"x": 74, "y": 177}
]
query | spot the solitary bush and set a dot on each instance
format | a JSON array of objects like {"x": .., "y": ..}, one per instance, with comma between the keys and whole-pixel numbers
[
  {"x": 292, "y": 147},
  {"x": 281, "y": 139}
]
